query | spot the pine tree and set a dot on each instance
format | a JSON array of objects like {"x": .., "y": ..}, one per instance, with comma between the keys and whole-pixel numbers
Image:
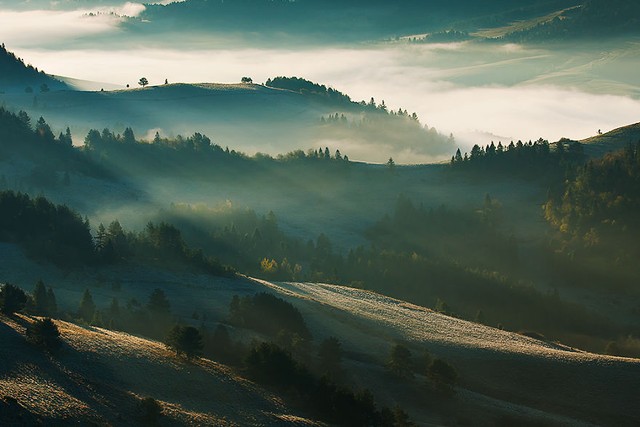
[
  {"x": 52, "y": 305},
  {"x": 40, "y": 300},
  {"x": 185, "y": 340},
  {"x": 400, "y": 362},
  {"x": 87, "y": 306},
  {"x": 12, "y": 299},
  {"x": 158, "y": 304}
]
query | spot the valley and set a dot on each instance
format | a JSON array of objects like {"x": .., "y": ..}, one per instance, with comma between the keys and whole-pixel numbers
[{"x": 271, "y": 213}]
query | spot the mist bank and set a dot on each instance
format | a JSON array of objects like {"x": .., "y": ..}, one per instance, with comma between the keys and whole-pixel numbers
[
  {"x": 247, "y": 117},
  {"x": 477, "y": 92}
]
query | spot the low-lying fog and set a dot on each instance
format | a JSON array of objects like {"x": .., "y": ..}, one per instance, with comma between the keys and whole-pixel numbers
[{"x": 477, "y": 91}]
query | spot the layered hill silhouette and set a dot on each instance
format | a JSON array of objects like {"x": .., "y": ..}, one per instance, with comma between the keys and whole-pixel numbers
[
  {"x": 16, "y": 76},
  {"x": 249, "y": 117}
]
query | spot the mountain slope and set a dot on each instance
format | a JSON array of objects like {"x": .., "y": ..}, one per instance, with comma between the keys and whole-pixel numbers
[
  {"x": 314, "y": 20},
  {"x": 99, "y": 376},
  {"x": 502, "y": 374},
  {"x": 599, "y": 145},
  {"x": 247, "y": 117},
  {"x": 593, "y": 19},
  {"x": 15, "y": 75},
  {"x": 548, "y": 383}
]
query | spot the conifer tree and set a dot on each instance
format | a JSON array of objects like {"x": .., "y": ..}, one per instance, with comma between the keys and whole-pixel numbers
[
  {"x": 87, "y": 306},
  {"x": 40, "y": 300}
]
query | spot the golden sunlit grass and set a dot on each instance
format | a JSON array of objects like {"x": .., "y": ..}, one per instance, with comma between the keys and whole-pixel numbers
[{"x": 99, "y": 376}]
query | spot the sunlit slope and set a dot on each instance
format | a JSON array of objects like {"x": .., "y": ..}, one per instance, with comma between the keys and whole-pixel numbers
[
  {"x": 99, "y": 375},
  {"x": 599, "y": 145},
  {"x": 546, "y": 380}
]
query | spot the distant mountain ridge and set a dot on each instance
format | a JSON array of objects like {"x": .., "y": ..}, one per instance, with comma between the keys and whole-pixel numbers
[
  {"x": 322, "y": 20},
  {"x": 591, "y": 19}
]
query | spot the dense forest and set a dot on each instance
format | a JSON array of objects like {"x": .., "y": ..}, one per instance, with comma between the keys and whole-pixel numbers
[
  {"x": 460, "y": 261},
  {"x": 595, "y": 213}
]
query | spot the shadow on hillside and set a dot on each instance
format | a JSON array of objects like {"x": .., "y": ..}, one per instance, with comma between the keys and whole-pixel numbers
[{"x": 13, "y": 343}]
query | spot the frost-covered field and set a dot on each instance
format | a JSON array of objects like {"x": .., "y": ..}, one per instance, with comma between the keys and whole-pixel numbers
[{"x": 499, "y": 370}]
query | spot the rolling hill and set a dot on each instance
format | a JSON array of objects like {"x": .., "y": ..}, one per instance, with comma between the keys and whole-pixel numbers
[
  {"x": 505, "y": 378},
  {"x": 99, "y": 377},
  {"x": 599, "y": 145},
  {"x": 247, "y": 117}
]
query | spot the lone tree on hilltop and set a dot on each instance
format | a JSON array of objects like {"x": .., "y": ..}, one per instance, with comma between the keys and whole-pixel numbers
[
  {"x": 247, "y": 80},
  {"x": 185, "y": 340},
  {"x": 143, "y": 81}
]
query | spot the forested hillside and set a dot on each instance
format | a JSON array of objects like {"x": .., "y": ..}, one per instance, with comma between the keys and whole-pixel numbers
[{"x": 15, "y": 75}]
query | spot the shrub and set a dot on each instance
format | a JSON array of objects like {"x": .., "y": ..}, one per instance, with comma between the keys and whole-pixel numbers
[
  {"x": 400, "y": 363},
  {"x": 443, "y": 375},
  {"x": 44, "y": 333},
  {"x": 185, "y": 340},
  {"x": 149, "y": 411}
]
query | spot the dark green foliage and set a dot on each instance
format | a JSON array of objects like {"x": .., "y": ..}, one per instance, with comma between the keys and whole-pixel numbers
[
  {"x": 40, "y": 299},
  {"x": 149, "y": 411},
  {"x": 52, "y": 305},
  {"x": 44, "y": 300},
  {"x": 303, "y": 86},
  {"x": 400, "y": 361},
  {"x": 12, "y": 299},
  {"x": 87, "y": 307},
  {"x": 52, "y": 157},
  {"x": 185, "y": 340},
  {"x": 44, "y": 333},
  {"x": 594, "y": 19},
  {"x": 158, "y": 304},
  {"x": 530, "y": 160},
  {"x": 221, "y": 344},
  {"x": 330, "y": 355},
  {"x": 17, "y": 75},
  {"x": 442, "y": 374},
  {"x": 269, "y": 364},
  {"x": 47, "y": 231},
  {"x": 159, "y": 310},
  {"x": 597, "y": 222},
  {"x": 268, "y": 314},
  {"x": 158, "y": 244}
]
